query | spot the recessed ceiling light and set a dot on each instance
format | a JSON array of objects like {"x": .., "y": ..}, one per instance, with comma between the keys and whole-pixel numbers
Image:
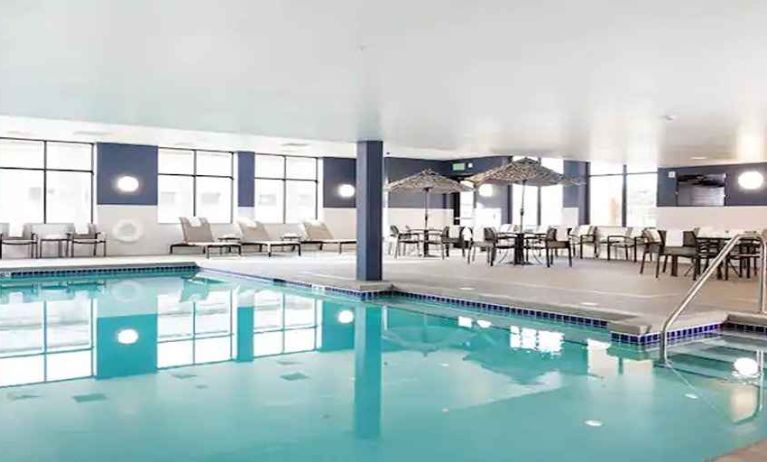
[
  {"x": 589, "y": 304},
  {"x": 90, "y": 133},
  {"x": 669, "y": 117},
  {"x": 698, "y": 158},
  {"x": 292, "y": 144},
  {"x": 467, "y": 288},
  {"x": 19, "y": 133}
]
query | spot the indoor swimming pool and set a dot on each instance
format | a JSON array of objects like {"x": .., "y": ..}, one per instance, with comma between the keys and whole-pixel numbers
[{"x": 202, "y": 366}]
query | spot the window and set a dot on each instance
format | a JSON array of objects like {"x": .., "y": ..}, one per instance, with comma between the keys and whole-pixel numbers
[
  {"x": 285, "y": 189},
  {"x": 609, "y": 206},
  {"x": 194, "y": 183},
  {"x": 45, "y": 181},
  {"x": 285, "y": 323},
  {"x": 551, "y": 196}
]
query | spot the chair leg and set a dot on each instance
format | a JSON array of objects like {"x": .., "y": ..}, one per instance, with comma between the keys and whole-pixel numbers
[
  {"x": 641, "y": 267},
  {"x": 657, "y": 267},
  {"x": 548, "y": 257},
  {"x": 570, "y": 256}
]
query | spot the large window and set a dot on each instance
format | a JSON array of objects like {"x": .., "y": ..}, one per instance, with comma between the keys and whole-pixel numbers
[
  {"x": 622, "y": 195},
  {"x": 45, "y": 181},
  {"x": 195, "y": 183},
  {"x": 543, "y": 206},
  {"x": 285, "y": 189}
]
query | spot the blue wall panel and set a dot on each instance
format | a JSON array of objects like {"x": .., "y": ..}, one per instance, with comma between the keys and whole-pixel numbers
[
  {"x": 734, "y": 194},
  {"x": 246, "y": 172},
  {"x": 337, "y": 171},
  {"x": 116, "y": 160}
]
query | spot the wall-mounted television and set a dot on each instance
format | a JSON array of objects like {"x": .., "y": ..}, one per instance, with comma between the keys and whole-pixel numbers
[{"x": 700, "y": 190}]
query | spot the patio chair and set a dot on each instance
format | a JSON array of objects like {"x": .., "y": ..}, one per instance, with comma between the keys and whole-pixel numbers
[
  {"x": 316, "y": 232},
  {"x": 403, "y": 239},
  {"x": 584, "y": 235},
  {"x": 452, "y": 236},
  {"x": 631, "y": 238},
  {"x": 671, "y": 243},
  {"x": 87, "y": 234},
  {"x": 255, "y": 234},
  {"x": 490, "y": 243},
  {"x": 197, "y": 233},
  {"x": 19, "y": 235},
  {"x": 557, "y": 238}
]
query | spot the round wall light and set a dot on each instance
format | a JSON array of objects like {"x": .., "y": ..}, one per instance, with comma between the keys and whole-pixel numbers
[
  {"x": 751, "y": 180},
  {"x": 127, "y": 184},
  {"x": 346, "y": 317},
  {"x": 486, "y": 190},
  {"x": 346, "y": 191},
  {"x": 127, "y": 336}
]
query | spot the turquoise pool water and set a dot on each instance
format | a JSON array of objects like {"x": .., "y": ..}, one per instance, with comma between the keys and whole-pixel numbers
[{"x": 202, "y": 367}]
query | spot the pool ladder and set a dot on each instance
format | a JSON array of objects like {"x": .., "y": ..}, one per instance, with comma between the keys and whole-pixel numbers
[{"x": 695, "y": 289}]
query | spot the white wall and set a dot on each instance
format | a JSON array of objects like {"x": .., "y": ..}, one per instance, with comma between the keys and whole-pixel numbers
[
  {"x": 717, "y": 217},
  {"x": 342, "y": 222}
]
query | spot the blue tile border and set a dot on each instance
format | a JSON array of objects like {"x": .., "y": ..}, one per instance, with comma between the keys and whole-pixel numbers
[
  {"x": 643, "y": 340},
  {"x": 13, "y": 275},
  {"x": 653, "y": 338}
]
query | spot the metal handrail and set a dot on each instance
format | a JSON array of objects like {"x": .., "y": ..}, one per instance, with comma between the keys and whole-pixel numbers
[{"x": 688, "y": 298}]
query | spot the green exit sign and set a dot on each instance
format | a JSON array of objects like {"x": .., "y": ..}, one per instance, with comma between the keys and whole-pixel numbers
[{"x": 459, "y": 166}]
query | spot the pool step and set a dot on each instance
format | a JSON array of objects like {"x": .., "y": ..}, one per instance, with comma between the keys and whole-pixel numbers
[{"x": 716, "y": 356}]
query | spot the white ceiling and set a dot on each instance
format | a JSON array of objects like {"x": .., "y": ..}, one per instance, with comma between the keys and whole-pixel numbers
[{"x": 582, "y": 79}]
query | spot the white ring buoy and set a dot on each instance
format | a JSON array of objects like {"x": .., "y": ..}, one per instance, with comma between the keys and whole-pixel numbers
[{"x": 127, "y": 230}]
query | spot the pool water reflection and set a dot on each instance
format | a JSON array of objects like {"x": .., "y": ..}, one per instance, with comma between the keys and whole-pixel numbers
[{"x": 295, "y": 375}]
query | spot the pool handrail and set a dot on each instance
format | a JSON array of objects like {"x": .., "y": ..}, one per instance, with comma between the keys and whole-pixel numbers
[{"x": 693, "y": 292}]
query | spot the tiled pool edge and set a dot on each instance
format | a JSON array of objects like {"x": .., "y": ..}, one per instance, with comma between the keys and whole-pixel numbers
[{"x": 648, "y": 340}]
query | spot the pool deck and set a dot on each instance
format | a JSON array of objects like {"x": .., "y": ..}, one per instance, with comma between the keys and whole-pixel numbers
[{"x": 610, "y": 290}]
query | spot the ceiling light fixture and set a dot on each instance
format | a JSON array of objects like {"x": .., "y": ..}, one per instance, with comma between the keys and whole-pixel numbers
[
  {"x": 698, "y": 158},
  {"x": 746, "y": 368}
]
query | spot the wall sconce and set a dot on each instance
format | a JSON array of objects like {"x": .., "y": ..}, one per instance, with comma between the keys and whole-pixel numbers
[
  {"x": 127, "y": 184},
  {"x": 486, "y": 190},
  {"x": 751, "y": 180},
  {"x": 346, "y": 191}
]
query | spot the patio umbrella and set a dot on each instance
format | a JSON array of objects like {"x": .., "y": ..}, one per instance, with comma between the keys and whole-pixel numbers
[
  {"x": 427, "y": 181},
  {"x": 524, "y": 172}
]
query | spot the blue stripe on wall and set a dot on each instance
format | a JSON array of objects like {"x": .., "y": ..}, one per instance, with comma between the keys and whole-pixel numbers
[
  {"x": 116, "y": 160},
  {"x": 246, "y": 173}
]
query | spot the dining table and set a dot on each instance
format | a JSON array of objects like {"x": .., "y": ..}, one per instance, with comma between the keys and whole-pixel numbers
[
  {"x": 519, "y": 237},
  {"x": 427, "y": 234}
]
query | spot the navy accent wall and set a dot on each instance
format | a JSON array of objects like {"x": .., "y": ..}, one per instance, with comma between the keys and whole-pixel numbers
[
  {"x": 396, "y": 168},
  {"x": 501, "y": 199},
  {"x": 246, "y": 172},
  {"x": 337, "y": 171},
  {"x": 734, "y": 194},
  {"x": 577, "y": 196},
  {"x": 116, "y": 160}
]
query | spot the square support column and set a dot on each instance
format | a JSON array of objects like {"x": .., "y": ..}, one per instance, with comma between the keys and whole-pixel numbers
[{"x": 369, "y": 210}]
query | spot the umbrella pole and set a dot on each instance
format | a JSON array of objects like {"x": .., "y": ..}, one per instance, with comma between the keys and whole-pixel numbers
[
  {"x": 426, "y": 209},
  {"x": 522, "y": 209}
]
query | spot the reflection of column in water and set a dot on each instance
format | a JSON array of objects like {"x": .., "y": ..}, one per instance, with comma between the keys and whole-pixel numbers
[
  {"x": 367, "y": 372},
  {"x": 244, "y": 334}
]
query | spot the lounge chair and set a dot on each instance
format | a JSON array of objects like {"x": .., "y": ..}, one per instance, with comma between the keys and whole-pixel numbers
[
  {"x": 19, "y": 235},
  {"x": 197, "y": 233},
  {"x": 255, "y": 234},
  {"x": 317, "y": 232},
  {"x": 87, "y": 234}
]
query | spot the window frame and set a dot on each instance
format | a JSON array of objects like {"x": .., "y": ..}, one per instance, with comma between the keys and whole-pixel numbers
[
  {"x": 624, "y": 174},
  {"x": 194, "y": 175},
  {"x": 284, "y": 179},
  {"x": 45, "y": 169}
]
